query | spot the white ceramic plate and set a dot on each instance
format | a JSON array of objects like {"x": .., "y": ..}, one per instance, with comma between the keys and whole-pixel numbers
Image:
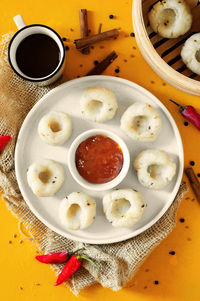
[{"x": 30, "y": 148}]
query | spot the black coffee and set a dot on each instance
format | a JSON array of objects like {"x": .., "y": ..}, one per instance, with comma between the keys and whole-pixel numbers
[{"x": 37, "y": 55}]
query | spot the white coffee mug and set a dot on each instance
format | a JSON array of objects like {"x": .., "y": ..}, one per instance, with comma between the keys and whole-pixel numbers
[{"x": 25, "y": 31}]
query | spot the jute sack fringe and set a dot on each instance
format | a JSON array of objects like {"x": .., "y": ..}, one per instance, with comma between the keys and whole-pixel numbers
[{"x": 119, "y": 261}]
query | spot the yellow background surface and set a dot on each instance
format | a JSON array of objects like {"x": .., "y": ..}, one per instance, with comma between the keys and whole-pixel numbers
[{"x": 21, "y": 277}]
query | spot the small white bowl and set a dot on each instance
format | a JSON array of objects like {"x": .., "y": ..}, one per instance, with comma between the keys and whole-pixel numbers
[{"x": 72, "y": 165}]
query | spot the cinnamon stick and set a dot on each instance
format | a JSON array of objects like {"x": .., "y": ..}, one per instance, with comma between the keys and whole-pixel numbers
[
  {"x": 194, "y": 182},
  {"x": 87, "y": 41},
  {"x": 84, "y": 28},
  {"x": 97, "y": 70}
]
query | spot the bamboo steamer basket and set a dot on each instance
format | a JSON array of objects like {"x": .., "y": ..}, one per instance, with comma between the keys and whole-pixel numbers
[{"x": 162, "y": 54}]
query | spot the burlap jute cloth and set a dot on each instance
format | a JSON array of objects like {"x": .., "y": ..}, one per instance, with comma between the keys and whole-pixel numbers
[{"x": 118, "y": 261}]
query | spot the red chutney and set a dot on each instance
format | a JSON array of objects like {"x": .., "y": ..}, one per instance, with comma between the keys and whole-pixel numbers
[{"x": 99, "y": 159}]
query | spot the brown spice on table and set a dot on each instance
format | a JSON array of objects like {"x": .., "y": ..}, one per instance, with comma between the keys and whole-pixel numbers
[
  {"x": 21, "y": 241},
  {"x": 193, "y": 182},
  {"x": 84, "y": 28},
  {"x": 21, "y": 288},
  {"x": 100, "y": 27},
  {"x": 15, "y": 235},
  {"x": 87, "y": 41},
  {"x": 101, "y": 67},
  {"x": 10, "y": 241}
]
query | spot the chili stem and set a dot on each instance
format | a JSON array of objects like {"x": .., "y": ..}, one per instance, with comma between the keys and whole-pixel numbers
[
  {"x": 72, "y": 253},
  {"x": 181, "y": 107},
  {"x": 88, "y": 259}
]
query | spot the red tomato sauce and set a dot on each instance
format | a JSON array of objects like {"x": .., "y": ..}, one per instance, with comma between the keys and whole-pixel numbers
[{"x": 99, "y": 159}]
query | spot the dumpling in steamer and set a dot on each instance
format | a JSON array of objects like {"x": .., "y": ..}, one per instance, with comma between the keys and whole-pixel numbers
[
  {"x": 45, "y": 177},
  {"x": 154, "y": 168},
  {"x": 77, "y": 211},
  {"x": 98, "y": 104},
  {"x": 190, "y": 53},
  {"x": 170, "y": 18},
  {"x": 123, "y": 207},
  {"x": 141, "y": 122}
]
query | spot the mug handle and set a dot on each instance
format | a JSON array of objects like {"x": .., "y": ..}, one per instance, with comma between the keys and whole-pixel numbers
[{"x": 19, "y": 21}]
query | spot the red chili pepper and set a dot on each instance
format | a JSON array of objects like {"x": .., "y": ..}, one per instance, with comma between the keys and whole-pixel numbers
[
  {"x": 3, "y": 141},
  {"x": 58, "y": 257},
  {"x": 73, "y": 265},
  {"x": 190, "y": 114}
]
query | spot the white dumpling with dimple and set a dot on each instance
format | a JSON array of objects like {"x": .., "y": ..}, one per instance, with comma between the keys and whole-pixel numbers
[
  {"x": 123, "y": 207},
  {"x": 45, "y": 177},
  {"x": 154, "y": 168},
  {"x": 98, "y": 104},
  {"x": 55, "y": 127},
  {"x": 141, "y": 122},
  {"x": 77, "y": 211},
  {"x": 190, "y": 53},
  {"x": 170, "y": 18}
]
